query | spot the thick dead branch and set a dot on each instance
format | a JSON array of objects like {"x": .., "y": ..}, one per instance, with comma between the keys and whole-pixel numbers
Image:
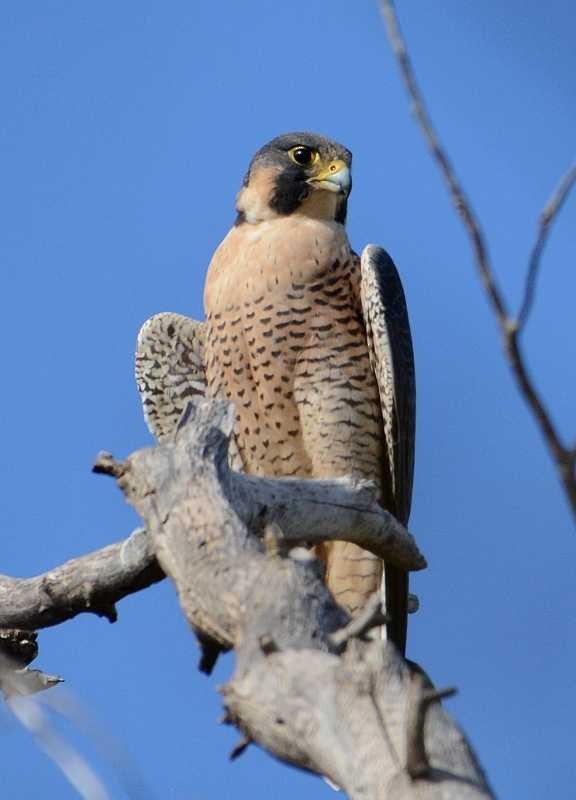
[
  {"x": 296, "y": 511},
  {"x": 341, "y": 715},
  {"x": 509, "y": 326},
  {"x": 320, "y": 511},
  {"x": 309, "y": 685},
  {"x": 93, "y": 583}
]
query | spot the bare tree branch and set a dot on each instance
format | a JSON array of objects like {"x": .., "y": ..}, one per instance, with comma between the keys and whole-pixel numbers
[
  {"x": 302, "y": 511},
  {"x": 422, "y": 695},
  {"x": 310, "y": 686},
  {"x": 509, "y": 326},
  {"x": 90, "y": 584},
  {"x": 457, "y": 192},
  {"x": 24, "y": 682},
  {"x": 315, "y": 511},
  {"x": 341, "y": 714},
  {"x": 547, "y": 217}
]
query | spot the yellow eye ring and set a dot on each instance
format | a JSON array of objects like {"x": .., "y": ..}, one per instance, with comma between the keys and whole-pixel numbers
[{"x": 303, "y": 156}]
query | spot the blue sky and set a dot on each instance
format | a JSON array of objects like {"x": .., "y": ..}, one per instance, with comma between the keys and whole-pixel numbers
[{"x": 125, "y": 133}]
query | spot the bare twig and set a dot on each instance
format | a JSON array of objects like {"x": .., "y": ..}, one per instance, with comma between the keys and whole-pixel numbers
[
  {"x": 509, "y": 327},
  {"x": 240, "y": 748},
  {"x": 420, "y": 699},
  {"x": 76, "y": 769},
  {"x": 413, "y": 603},
  {"x": 372, "y": 616},
  {"x": 111, "y": 750},
  {"x": 18, "y": 648},
  {"x": 23, "y": 682},
  {"x": 547, "y": 217},
  {"x": 457, "y": 192}
]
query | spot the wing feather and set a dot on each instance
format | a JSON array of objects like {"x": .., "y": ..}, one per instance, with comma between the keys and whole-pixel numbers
[
  {"x": 169, "y": 369},
  {"x": 170, "y": 373},
  {"x": 392, "y": 358}
]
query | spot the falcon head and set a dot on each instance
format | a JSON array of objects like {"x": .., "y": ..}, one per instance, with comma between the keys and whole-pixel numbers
[{"x": 302, "y": 173}]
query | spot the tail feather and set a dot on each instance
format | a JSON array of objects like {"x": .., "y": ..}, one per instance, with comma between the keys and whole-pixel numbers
[
  {"x": 396, "y": 601},
  {"x": 352, "y": 574}
]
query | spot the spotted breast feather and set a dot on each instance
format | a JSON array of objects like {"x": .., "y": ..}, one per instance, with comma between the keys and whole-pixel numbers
[{"x": 310, "y": 343}]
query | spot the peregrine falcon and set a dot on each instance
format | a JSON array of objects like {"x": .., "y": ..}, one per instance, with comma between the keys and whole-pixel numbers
[{"x": 310, "y": 342}]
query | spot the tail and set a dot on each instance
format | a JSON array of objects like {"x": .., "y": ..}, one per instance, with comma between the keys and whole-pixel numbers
[
  {"x": 395, "y": 585},
  {"x": 352, "y": 574}
]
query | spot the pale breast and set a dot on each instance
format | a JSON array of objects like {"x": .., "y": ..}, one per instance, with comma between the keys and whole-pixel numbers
[{"x": 286, "y": 343}]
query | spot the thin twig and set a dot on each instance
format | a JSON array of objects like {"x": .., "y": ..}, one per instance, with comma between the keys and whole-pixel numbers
[
  {"x": 240, "y": 748},
  {"x": 420, "y": 699},
  {"x": 547, "y": 217},
  {"x": 372, "y": 616},
  {"x": 23, "y": 682},
  {"x": 509, "y": 327},
  {"x": 457, "y": 192},
  {"x": 75, "y": 767}
]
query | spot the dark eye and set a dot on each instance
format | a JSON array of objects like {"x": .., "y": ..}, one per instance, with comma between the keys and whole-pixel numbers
[{"x": 303, "y": 156}]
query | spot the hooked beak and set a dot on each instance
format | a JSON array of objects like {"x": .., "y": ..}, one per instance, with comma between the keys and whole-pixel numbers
[{"x": 335, "y": 178}]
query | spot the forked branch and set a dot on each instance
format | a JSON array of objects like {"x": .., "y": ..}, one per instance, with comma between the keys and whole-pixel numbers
[{"x": 510, "y": 327}]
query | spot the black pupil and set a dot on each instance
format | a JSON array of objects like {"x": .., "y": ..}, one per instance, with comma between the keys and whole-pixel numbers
[{"x": 302, "y": 155}]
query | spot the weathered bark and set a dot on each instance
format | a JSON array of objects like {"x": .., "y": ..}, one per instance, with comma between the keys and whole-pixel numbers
[
  {"x": 92, "y": 583},
  {"x": 342, "y": 709},
  {"x": 309, "y": 685},
  {"x": 313, "y": 511}
]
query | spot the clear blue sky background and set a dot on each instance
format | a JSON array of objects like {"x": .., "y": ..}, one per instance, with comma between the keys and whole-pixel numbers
[{"x": 126, "y": 129}]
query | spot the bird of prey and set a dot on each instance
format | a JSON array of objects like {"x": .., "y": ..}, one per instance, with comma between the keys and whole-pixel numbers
[{"x": 310, "y": 342}]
